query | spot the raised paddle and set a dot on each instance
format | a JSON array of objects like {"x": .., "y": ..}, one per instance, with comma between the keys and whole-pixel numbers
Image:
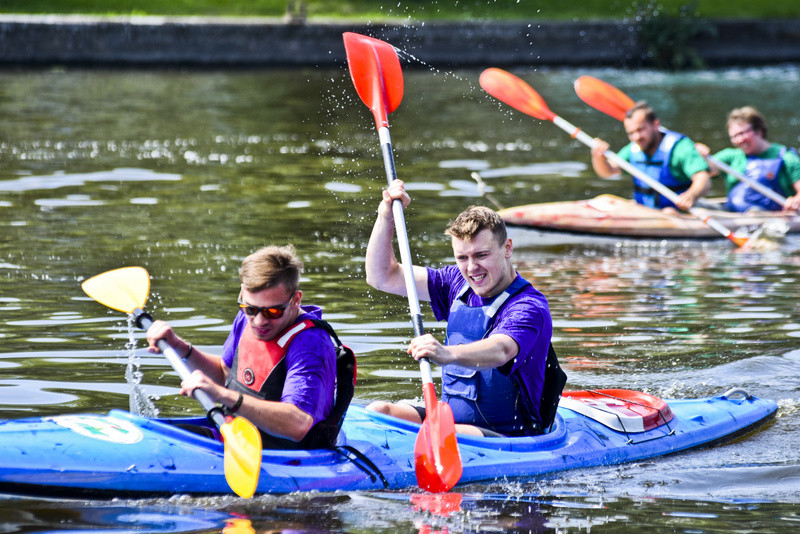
[
  {"x": 375, "y": 70},
  {"x": 606, "y": 98},
  {"x": 126, "y": 290},
  {"x": 507, "y": 88}
]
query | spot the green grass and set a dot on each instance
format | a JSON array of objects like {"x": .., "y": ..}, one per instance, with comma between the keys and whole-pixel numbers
[{"x": 389, "y": 10}]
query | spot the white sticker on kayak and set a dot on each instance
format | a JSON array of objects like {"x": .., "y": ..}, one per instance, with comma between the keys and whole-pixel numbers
[{"x": 98, "y": 427}]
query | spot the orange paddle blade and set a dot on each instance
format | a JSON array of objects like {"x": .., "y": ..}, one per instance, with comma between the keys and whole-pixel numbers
[
  {"x": 436, "y": 457},
  {"x": 511, "y": 90},
  {"x": 375, "y": 70},
  {"x": 603, "y": 96}
]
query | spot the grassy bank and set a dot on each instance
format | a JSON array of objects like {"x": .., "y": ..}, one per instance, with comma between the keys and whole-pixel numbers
[{"x": 370, "y": 10}]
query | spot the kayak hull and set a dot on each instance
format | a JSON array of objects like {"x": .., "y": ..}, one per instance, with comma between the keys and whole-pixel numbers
[
  {"x": 120, "y": 454},
  {"x": 612, "y": 216}
]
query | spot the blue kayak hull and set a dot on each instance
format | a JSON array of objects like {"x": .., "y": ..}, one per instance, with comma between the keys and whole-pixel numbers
[{"x": 120, "y": 454}]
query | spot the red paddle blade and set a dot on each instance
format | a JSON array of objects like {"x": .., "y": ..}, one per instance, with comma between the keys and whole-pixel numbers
[
  {"x": 436, "y": 457},
  {"x": 603, "y": 96},
  {"x": 509, "y": 89},
  {"x": 375, "y": 70}
]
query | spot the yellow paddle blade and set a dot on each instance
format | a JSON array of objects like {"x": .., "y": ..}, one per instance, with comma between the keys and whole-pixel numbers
[
  {"x": 123, "y": 289},
  {"x": 242, "y": 456}
]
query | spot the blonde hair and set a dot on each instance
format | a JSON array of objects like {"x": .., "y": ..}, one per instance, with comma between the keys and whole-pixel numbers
[
  {"x": 474, "y": 219},
  {"x": 270, "y": 267},
  {"x": 751, "y": 116}
]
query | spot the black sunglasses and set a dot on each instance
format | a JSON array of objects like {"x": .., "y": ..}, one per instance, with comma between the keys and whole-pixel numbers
[{"x": 272, "y": 312}]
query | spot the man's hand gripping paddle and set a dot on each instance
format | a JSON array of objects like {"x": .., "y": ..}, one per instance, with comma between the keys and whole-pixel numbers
[
  {"x": 511, "y": 90},
  {"x": 375, "y": 70},
  {"x": 126, "y": 290}
]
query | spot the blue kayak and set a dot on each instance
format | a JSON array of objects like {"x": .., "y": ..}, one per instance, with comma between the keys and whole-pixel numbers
[{"x": 120, "y": 454}]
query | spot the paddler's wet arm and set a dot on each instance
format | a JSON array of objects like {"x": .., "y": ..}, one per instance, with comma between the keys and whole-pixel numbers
[
  {"x": 210, "y": 364},
  {"x": 493, "y": 351},
  {"x": 600, "y": 164},
  {"x": 383, "y": 271},
  {"x": 701, "y": 184},
  {"x": 280, "y": 419}
]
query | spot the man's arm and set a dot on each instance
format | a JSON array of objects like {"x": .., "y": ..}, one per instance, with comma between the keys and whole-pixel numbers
[
  {"x": 600, "y": 164},
  {"x": 701, "y": 184},
  {"x": 493, "y": 351},
  {"x": 383, "y": 270}
]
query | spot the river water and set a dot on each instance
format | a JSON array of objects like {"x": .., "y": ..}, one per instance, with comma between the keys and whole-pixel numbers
[{"x": 185, "y": 173}]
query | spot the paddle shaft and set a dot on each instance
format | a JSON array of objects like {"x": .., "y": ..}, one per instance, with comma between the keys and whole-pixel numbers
[
  {"x": 758, "y": 186},
  {"x": 663, "y": 190},
  {"x": 144, "y": 321},
  {"x": 405, "y": 250}
]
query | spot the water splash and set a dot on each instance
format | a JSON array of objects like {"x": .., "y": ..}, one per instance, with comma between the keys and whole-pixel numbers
[{"x": 140, "y": 401}]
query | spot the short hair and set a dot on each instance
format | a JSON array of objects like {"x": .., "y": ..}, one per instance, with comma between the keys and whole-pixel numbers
[
  {"x": 270, "y": 267},
  {"x": 642, "y": 105},
  {"x": 474, "y": 219},
  {"x": 751, "y": 116}
]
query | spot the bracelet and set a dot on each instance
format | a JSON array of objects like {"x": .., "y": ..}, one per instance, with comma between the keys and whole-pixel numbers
[
  {"x": 188, "y": 353},
  {"x": 236, "y": 405}
]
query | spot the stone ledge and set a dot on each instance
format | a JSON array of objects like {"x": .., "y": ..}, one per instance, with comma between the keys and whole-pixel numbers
[{"x": 246, "y": 42}]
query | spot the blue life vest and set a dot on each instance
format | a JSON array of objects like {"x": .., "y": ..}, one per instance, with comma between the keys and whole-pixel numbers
[
  {"x": 485, "y": 398},
  {"x": 657, "y": 168},
  {"x": 742, "y": 197}
]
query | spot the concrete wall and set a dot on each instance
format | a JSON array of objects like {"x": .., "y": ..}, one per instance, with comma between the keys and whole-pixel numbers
[{"x": 198, "y": 42}]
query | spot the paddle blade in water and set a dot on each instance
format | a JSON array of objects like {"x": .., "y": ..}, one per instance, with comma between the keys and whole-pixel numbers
[
  {"x": 375, "y": 70},
  {"x": 242, "y": 455},
  {"x": 603, "y": 97},
  {"x": 123, "y": 289},
  {"x": 436, "y": 457},
  {"x": 511, "y": 90}
]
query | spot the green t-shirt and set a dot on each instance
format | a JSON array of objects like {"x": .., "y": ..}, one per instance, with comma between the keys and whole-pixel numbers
[
  {"x": 684, "y": 162},
  {"x": 787, "y": 176}
]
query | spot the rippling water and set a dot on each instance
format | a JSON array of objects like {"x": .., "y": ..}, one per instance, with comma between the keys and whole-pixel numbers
[{"x": 185, "y": 173}]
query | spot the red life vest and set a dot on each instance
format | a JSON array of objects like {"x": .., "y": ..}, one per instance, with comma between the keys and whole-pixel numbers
[{"x": 259, "y": 367}]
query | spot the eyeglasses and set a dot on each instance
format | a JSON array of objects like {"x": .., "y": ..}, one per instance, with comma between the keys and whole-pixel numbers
[
  {"x": 740, "y": 134},
  {"x": 271, "y": 312}
]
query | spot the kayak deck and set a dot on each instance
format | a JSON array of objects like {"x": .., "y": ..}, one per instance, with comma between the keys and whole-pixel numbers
[
  {"x": 121, "y": 454},
  {"x": 609, "y": 215}
]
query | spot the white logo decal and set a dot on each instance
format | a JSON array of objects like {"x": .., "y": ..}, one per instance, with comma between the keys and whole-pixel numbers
[{"x": 98, "y": 427}]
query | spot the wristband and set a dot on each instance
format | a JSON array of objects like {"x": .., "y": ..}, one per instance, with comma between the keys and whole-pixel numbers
[
  {"x": 188, "y": 353},
  {"x": 236, "y": 405}
]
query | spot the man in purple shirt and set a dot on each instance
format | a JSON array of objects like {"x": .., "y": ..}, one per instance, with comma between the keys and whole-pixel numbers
[
  {"x": 498, "y": 326},
  {"x": 278, "y": 368}
]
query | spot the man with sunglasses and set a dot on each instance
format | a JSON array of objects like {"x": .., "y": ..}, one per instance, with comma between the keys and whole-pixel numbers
[
  {"x": 497, "y": 349},
  {"x": 773, "y": 165},
  {"x": 278, "y": 367}
]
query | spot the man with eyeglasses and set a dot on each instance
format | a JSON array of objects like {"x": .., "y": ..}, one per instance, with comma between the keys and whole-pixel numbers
[
  {"x": 771, "y": 164},
  {"x": 664, "y": 155},
  {"x": 278, "y": 367},
  {"x": 497, "y": 361}
]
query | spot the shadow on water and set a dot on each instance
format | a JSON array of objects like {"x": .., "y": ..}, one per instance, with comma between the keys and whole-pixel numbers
[{"x": 185, "y": 173}]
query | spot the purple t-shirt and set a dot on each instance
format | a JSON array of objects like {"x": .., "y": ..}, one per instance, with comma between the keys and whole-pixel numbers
[
  {"x": 310, "y": 365},
  {"x": 525, "y": 318}
]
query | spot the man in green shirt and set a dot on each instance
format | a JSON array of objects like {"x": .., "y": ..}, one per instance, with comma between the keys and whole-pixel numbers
[
  {"x": 771, "y": 164},
  {"x": 665, "y": 156}
]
